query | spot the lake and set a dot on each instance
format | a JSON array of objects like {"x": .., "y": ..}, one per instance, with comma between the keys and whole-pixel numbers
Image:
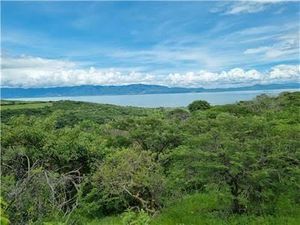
[{"x": 166, "y": 100}]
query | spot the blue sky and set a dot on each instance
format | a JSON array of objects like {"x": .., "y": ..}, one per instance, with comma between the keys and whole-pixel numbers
[{"x": 206, "y": 44}]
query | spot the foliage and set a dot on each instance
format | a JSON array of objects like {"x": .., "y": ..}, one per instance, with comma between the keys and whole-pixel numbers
[
  {"x": 178, "y": 114},
  {"x": 198, "y": 105},
  {"x": 3, "y": 217},
  {"x": 135, "y": 218},
  {"x": 26, "y": 105},
  {"x": 82, "y": 163},
  {"x": 153, "y": 134},
  {"x": 131, "y": 178}
]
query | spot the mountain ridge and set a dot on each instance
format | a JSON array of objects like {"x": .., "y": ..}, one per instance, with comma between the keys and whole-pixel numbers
[{"x": 132, "y": 89}]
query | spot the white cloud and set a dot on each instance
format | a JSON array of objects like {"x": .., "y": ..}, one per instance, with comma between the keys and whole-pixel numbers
[
  {"x": 285, "y": 72},
  {"x": 245, "y": 6},
  {"x": 27, "y": 71},
  {"x": 175, "y": 55},
  {"x": 236, "y": 77},
  {"x": 256, "y": 50},
  {"x": 285, "y": 45}
]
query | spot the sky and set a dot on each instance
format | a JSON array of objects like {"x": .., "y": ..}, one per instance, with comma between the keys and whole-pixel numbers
[{"x": 189, "y": 44}]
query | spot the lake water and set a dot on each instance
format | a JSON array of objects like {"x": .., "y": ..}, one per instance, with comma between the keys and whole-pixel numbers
[{"x": 167, "y": 100}]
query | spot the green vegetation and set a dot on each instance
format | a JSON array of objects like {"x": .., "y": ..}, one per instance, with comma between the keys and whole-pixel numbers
[
  {"x": 81, "y": 163},
  {"x": 198, "y": 105},
  {"x": 24, "y": 105}
]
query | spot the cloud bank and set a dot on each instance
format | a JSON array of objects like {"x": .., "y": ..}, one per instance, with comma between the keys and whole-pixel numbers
[
  {"x": 237, "y": 77},
  {"x": 28, "y": 71}
]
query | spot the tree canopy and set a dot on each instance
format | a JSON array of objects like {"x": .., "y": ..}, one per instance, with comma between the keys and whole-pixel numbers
[
  {"x": 198, "y": 105},
  {"x": 73, "y": 162}
]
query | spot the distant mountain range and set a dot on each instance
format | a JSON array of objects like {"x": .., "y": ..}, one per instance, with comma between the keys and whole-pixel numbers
[{"x": 133, "y": 89}]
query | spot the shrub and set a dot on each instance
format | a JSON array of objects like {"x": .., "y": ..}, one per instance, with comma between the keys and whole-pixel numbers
[
  {"x": 198, "y": 105},
  {"x": 131, "y": 178}
]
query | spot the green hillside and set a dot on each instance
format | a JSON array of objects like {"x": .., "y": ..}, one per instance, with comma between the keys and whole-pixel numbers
[{"x": 79, "y": 163}]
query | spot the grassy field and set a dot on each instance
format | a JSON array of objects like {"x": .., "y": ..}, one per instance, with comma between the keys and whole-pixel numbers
[
  {"x": 23, "y": 105},
  {"x": 204, "y": 209}
]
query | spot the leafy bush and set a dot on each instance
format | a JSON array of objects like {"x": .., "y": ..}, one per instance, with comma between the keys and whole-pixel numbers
[
  {"x": 131, "y": 178},
  {"x": 198, "y": 105}
]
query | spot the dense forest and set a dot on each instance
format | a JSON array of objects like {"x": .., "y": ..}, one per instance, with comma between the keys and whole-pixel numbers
[{"x": 69, "y": 162}]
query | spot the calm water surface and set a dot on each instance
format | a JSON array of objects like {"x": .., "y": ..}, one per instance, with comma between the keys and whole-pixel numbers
[{"x": 166, "y": 100}]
